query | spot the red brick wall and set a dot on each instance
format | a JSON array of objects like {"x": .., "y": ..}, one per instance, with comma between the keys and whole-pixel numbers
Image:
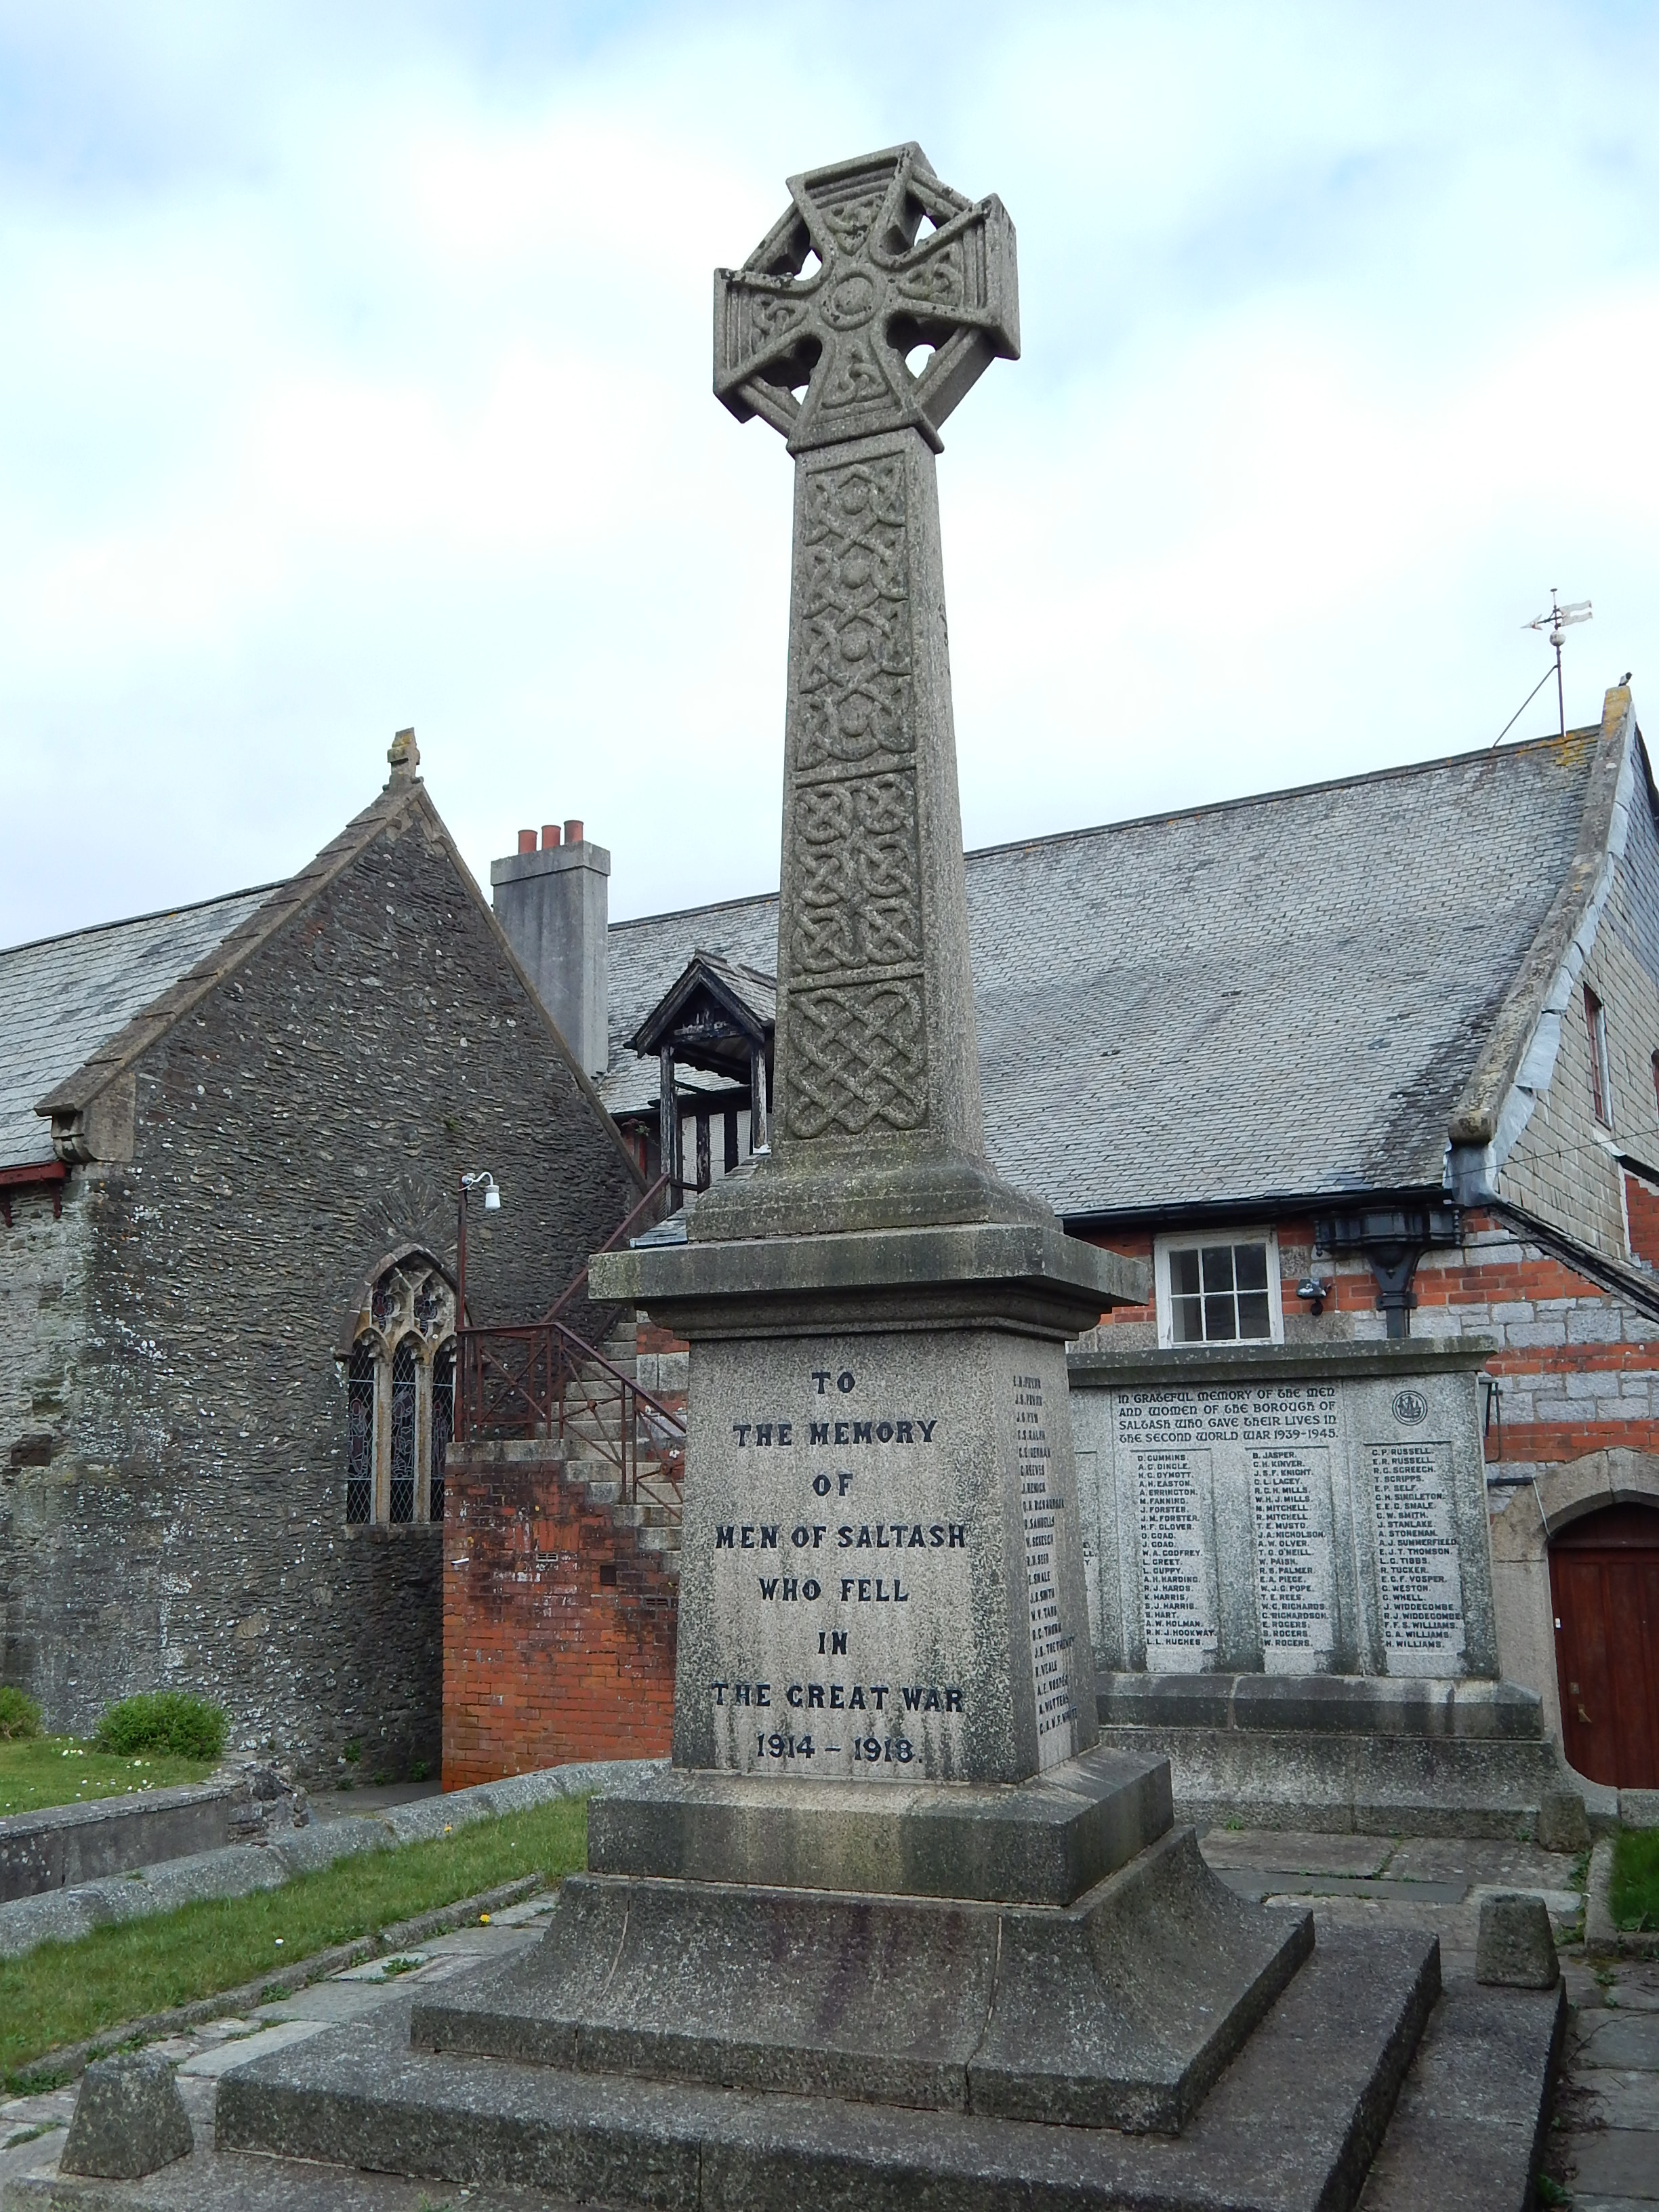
[
  {"x": 1576, "y": 1366},
  {"x": 544, "y": 1662},
  {"x": 1641, "y": 1210}
]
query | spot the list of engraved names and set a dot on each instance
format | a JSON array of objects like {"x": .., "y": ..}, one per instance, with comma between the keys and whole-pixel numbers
[
  {"x": 1040, "y": 1511},
  {"x": 1420, "y": 1579}
]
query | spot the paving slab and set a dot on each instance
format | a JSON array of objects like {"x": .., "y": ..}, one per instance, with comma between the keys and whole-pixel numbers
[
  {"x": 329, "y": 2001},
  {"x": 225, "y": 2058},
  {"x": 1621, "y": 2098},
  {"x": 1610, "y": 2037},
  {"x": 1480, "y": 1859},
  {"x": 1257, "y": 1883},
  {"x": 1617, "y": 2162},
  {"x": 1292, "y": 1851}
]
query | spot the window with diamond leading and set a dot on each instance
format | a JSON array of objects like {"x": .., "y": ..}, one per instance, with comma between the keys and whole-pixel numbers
[
  {"x": 1217, "y": 1292},
  {"x": 400, "y": 1395}
]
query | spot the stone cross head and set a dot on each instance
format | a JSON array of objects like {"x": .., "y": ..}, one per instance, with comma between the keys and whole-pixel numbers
[{"x": 902, "y": 261}]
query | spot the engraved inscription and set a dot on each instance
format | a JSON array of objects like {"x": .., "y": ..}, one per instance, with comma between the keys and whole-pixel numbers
[
  {"x": 1419, "y": 1575},
  {"x": 1290, "y": 1513},
  {"x": 1051, "y": 1638},
  {"x": 1176, "y": 1574},
  {"x": 831, "y": 1578}
]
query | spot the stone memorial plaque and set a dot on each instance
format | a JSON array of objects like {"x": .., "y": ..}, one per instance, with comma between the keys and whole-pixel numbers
[
  {"x": 1291, "y": 1516},
  {"x": 1177, "y": 1558},
  {"x": 882, "y": 1603},
  {"x": 1297, "y": 1519},
  {"x": 1420, "y": 1582}
]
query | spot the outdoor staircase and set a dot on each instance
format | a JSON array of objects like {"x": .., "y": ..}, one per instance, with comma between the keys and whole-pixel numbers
[{"x": 593, "y": 1412}]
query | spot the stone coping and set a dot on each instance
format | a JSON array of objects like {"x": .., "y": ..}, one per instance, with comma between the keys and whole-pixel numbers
[
  {"x": 1017, "y": 1273},
  {"x": 62, "y": 1915},
  {"x": 54, "y": 1845},
  {"x": 1376, "y": 1360}
]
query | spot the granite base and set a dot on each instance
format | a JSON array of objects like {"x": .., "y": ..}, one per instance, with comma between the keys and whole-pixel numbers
[
  {"x": 1043, "y": 1842},
  {"x": 1292, "y": 2125},
  {"x": 1118, "y": 2011}
]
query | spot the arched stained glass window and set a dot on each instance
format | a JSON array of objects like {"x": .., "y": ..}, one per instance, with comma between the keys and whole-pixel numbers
[
  {"x": 360, "y": 1430},
  {"x": 443, "y": 1425},
  {"x": 405, "y": 1420},
  {"x": 400, "y": 1393}
]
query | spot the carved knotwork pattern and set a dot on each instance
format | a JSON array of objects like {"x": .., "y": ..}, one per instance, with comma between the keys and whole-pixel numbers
[
  {"x": 857, "y": 1059},
  {"x": 854, "y": 697},
  {"x": 858, "y": 889}
]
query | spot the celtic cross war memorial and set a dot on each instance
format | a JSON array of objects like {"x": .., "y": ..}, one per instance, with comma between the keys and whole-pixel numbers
[{"x": 893, "y": 1926}]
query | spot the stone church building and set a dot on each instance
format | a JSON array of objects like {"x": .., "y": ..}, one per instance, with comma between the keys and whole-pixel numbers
[
  {"x": 1372, "y": 1061},
  {"x": 231, "y": 1138}
]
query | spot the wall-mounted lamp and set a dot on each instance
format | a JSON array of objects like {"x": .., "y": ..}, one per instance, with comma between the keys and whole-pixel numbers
[{"x": 1313, "y": 1294}]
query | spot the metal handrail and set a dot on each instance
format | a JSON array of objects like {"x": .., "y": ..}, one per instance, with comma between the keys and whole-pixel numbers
[
  {"x": 528, "y": 1399},
  {"x": 615, "y": 1238}
]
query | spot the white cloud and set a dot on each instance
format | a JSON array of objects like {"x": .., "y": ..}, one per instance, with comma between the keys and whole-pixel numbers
[{"x": 357, "y": 373}]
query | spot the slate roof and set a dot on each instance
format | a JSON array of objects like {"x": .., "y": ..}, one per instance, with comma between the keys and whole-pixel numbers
[
  {"x": 62, "y": 997},
  {"x": 1278, "y": 997}
]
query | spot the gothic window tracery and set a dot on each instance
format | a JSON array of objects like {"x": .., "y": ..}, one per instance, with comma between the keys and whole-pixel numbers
[
  {"x": 406, "y": 1419},
  {"x": 360, "y": 1430},
  {"x": 400, "y": 1395},
  {"x": 443, "y": 1426}
]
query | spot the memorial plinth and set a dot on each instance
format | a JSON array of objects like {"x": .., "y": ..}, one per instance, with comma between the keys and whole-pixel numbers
[{"x": 1290, "y": 1587}]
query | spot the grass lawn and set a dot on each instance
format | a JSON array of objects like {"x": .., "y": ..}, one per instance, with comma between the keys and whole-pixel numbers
[
  {"x": 1635, "y": 1896},
  {"x": 57, "y": 1770},
  {"x": 65, "y": 1991}
]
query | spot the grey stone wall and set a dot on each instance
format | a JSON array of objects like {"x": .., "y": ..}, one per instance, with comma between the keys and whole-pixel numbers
[
  {"x": 1562, "y": 1167},
  {"x": 310, "y": 1116},
  {"x": 42, "y": 1312}
]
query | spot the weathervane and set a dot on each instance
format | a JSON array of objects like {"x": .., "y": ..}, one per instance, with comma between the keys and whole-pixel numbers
[{"x": 1559, "y": 620}]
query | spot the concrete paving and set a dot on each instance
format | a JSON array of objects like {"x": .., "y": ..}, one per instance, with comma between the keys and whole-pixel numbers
[{"x": 1604, "y": 2138}]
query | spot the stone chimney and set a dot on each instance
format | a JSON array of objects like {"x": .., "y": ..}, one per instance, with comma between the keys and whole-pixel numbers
[{"x": 554, "y": 903}]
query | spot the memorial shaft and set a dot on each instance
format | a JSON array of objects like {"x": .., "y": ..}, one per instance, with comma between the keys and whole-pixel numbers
[
  {"x": 882, "y": 1574},
  {"x": 879, "y": 1113}
]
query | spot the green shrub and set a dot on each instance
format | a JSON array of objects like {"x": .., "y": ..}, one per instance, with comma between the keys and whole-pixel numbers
[
  {"x": 19, "y": 1715},
  {"x": 165, "y": 1720}
]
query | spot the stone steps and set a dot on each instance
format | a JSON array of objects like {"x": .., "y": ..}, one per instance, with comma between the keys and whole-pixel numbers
[{"x": 594, "y": 1426}]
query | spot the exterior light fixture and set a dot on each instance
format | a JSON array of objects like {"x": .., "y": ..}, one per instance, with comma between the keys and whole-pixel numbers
[
  {"x": 1313, "y": 1294},
  {"x": 492, "y": 1200}
]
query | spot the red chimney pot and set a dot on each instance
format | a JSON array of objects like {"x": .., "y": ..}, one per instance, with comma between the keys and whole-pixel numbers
[
  {"x": 549, "y": 835},
  {"x": 573, "y": 833},
  {"x": 526, "y": 841}
]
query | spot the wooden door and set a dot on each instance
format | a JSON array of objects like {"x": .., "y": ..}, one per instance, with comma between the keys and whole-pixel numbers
[{"x": 1604, "y": 1579}]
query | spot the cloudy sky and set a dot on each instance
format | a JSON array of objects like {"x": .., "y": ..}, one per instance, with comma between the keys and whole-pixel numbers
[{"x": 355, "y": 373}]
